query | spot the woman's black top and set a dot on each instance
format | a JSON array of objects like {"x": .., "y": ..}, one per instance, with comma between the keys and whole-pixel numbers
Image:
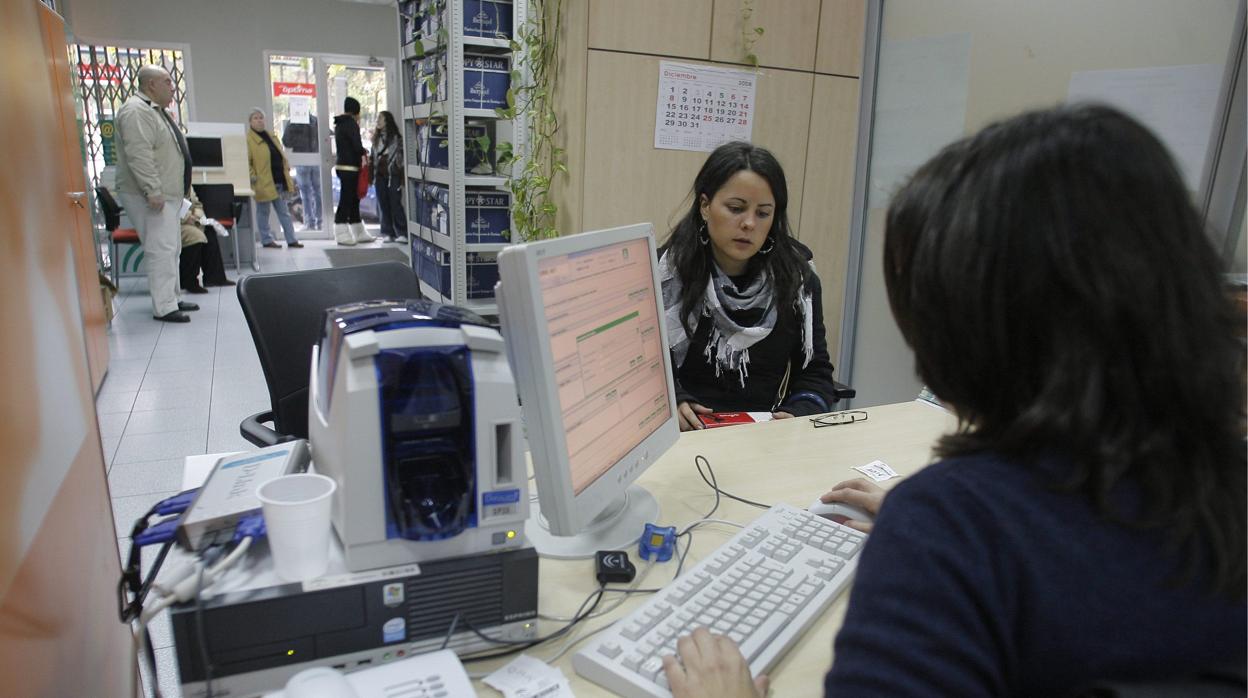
[
  {"x": 277, "y": 163},
  {"x": 347, "y": 141},
  {"x": 810, "y": 390}
]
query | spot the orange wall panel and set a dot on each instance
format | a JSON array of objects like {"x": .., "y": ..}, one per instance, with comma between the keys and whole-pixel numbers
[{"x": 59, "y": 632}]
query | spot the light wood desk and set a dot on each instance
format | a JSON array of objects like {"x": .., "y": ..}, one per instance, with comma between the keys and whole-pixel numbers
[{"x": 783, "y": 461}]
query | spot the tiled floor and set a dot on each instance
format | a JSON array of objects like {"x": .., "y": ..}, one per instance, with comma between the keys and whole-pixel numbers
[{"x": 174, "y": 390}]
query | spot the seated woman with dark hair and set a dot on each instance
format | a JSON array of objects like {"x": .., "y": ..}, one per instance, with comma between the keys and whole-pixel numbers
[
  {"x": 744, "y": 313},
  {"x": 1087, "y": 520}
]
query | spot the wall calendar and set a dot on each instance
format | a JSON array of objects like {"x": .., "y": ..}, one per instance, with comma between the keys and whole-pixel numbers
[{"x": 701, "y": 107}]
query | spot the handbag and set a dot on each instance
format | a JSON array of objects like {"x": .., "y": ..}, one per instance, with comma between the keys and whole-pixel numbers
[{"x": 361, "y": 187}]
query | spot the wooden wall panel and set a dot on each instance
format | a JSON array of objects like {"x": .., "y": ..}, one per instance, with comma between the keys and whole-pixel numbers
[
  {"x": 841, "y": 25},
  {"x": 825, "y": 217},
  {"x": 81, "y": 234},
  {"x": 627, "y": 180},
  {"x": 59, "y": 632},
  {"x": 790, "y": 31},
  {"x": 661, "y": 27},
  {"x": 568, "y": 191}
]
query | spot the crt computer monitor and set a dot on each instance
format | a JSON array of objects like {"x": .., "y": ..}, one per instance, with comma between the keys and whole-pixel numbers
[
  {"x": 583, "y": 319},
  {"x": 205, "y": 151}
]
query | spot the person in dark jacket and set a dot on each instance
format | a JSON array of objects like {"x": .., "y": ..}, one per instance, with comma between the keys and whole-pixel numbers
[
  {"x": 302, "y": 138},
  {"x": 388, "y": 176},
  {"x": 1086, "y": 527},
  {"x": 744, "y": 313},
  {"x": 348, "y": 228}
]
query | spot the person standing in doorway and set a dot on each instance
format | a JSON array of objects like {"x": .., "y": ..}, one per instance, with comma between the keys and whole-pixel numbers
[
  {"x": 348, "y": 228},
  {"x": 387, "y": 168},
  {"x": 270, "y": 178},
  {"x": 302, "y": 138},
  {"x": 153, "y": 176}
]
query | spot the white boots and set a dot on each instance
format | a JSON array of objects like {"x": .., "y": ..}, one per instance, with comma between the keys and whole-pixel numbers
[
  {"x": 351, "y": 233},
  {"x": 342, "y": 234}
]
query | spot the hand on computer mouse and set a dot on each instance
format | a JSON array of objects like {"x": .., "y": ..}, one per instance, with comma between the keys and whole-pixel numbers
[
  {"x": 711, "y": 666},
  {"x": 860, "y": 493}
]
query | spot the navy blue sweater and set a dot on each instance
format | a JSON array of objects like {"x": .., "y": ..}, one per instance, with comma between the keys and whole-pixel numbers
[{"x": 980, "y": 580}]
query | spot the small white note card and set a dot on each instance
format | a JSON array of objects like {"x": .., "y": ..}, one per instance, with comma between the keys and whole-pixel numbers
[
  {"x": 877, "y": 470},
  {"x": 527, "y": 677}
]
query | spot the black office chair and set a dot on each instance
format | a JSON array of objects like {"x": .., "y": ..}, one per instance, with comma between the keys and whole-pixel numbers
[
  {"x": 117, "y": 236},
  {"x": 284, "y": 312}
]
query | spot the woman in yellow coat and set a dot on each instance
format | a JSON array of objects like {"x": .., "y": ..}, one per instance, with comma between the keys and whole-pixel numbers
[{"x": 270, "y": 178}]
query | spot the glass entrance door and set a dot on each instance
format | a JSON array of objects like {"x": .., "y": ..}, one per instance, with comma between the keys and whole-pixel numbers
[
  {"x": 306, "y": 93},
  {"x": 296, "y": 117},
  {"x": 367, "y": 84}
]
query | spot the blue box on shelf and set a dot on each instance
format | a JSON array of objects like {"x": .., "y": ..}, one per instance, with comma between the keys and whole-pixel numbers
[
  {"x": 432, "y": 204},
  {"x": 424, "y": 90},
  {"x": 434, "y": 151},
  {"x": 438, "y": 263},
  {"x": 486, "y": 81},
  {"x": 488, "y": 18},
  {"x": 487, "y": 213},
  {"x": 482, "y": 270}
]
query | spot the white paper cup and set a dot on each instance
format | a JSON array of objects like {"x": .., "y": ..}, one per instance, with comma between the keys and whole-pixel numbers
[{"x": 296, "y": 515}]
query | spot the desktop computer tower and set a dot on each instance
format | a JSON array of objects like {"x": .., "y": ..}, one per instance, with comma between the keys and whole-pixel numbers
[{"x": 257, "y": 634}]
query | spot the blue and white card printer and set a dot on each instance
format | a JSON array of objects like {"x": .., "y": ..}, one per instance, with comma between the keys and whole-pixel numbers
[{"x": 412, "y": 410}]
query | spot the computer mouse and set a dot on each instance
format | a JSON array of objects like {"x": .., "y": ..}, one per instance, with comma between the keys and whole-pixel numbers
[
  {"x": 319, "y": 682},
  {"x": 839, "y": 511}
]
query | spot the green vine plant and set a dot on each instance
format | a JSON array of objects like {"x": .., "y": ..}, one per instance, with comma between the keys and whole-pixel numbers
[
  {"x": 750, "y": 33},
  {"x": 532, "y": 174}
]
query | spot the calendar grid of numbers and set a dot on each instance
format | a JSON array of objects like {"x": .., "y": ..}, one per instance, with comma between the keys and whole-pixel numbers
[{"x": 702, "y": 107}]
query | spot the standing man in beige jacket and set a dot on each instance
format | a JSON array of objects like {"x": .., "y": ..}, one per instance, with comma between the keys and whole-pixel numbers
[{"x": 153, "y": 176}]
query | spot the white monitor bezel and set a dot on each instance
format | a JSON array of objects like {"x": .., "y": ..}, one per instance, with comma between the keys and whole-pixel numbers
[{"x": 566, "y": 512}]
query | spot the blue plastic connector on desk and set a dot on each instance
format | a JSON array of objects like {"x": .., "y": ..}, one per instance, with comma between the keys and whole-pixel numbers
[
  {"x": 659, "y": 541},
  {"x": 162, "y": 532},
  {"x": 250, "y": 526},
  {"x": 176, "y": 504}
]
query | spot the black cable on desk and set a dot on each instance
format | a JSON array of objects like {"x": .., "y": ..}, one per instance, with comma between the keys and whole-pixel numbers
[
  {"x": 713, "y": 483},
  {"x": 521, "y": 645}
]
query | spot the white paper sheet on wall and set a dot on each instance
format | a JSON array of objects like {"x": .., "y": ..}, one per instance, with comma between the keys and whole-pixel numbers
[
  {"x": 1176, "y": 102},
  {"x": 701, "y": 107},
  {"x": 920, "y": 106},
  {"x": 300, "y": 109}
]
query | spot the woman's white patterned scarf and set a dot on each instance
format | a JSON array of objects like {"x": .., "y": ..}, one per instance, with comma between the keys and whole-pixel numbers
[{"x": 729, "y": 345}]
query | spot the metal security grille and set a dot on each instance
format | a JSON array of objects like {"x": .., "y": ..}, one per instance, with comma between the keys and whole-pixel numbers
[{"x": 106, "y": 76}]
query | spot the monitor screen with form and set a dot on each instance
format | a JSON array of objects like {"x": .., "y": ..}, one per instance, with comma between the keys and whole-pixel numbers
[
  {"x": 583, "y": 320},
  {"x": 608, "y": 353}
]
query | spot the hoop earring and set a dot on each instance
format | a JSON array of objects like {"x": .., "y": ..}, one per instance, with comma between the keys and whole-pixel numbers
[
  {"x": 771, "y": 245},
  {"x": 704, "y": 237}
]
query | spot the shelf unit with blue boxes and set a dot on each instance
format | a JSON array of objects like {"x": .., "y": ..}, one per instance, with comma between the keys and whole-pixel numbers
[{"x": 457, "y": 67}]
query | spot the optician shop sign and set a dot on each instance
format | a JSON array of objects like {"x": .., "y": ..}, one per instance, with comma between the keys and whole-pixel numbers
[{"x": 294, "y": 89}]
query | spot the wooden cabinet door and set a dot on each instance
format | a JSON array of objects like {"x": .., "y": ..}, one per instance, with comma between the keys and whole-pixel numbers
[{"x": 77, "y": 197}]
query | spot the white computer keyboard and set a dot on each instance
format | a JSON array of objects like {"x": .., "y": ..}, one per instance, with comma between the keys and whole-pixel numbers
[{"x": 763, "y": 588}]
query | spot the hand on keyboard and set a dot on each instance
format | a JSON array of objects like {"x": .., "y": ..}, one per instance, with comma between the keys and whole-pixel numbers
[
  {"x": 713, "y": 667},
  {"x": 762, "y": 589}
]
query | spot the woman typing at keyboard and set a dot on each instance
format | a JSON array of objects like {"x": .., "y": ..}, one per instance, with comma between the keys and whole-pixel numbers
[
  {"x": 744, "y": 312},
  {"x": 1086, "y": 524}
]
